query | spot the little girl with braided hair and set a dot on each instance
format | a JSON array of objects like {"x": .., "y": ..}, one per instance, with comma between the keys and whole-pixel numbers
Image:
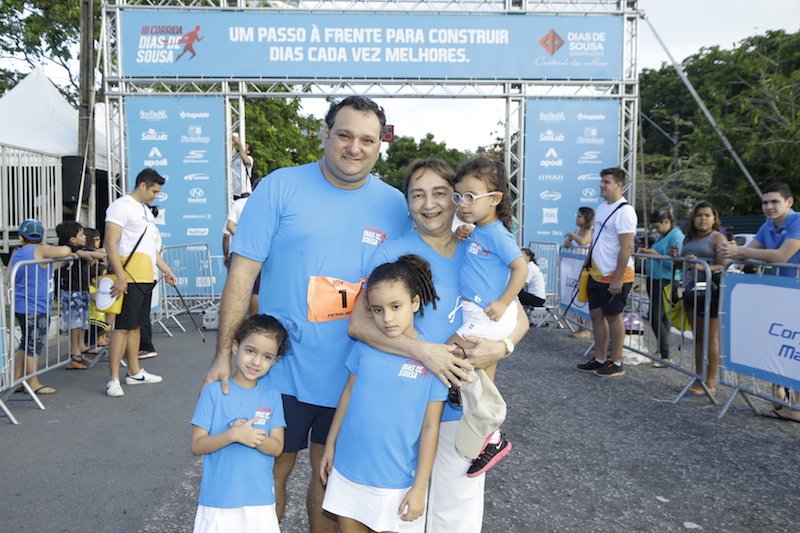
[{"x": 382, "y": 441}]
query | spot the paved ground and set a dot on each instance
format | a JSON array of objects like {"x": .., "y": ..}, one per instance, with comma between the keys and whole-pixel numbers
[{"x": 589, "y": 454}]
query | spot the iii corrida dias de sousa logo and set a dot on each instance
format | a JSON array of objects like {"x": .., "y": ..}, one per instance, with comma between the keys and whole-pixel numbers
[{"x": 158, "y": 44}]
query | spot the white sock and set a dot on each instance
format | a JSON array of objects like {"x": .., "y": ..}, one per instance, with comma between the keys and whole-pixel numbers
[
  {"x": 495, "y": 437},
  {"x": 601, "y": 361}
]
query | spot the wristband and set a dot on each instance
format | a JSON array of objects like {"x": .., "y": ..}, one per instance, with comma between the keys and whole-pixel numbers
[{"x": 509, "y": 347}]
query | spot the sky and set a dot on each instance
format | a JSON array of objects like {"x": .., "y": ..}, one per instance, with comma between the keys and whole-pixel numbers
[{"x": 685, "y": 26}]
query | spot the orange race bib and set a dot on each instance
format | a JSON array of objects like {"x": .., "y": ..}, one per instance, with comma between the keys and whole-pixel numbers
[{"x": 331, "y": 298}]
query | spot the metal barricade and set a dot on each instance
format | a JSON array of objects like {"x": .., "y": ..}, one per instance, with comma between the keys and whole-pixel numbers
[
  {"x": 760, "y": 330},
  {"x": 662, "y": 316},
  {"x": 55, "y": 350},
  {"x": 30, "y": 187},
  {"x": 6, "y": 349},
  {"x": 194, "y": 292},
  {"x": 642, "y": 317},
  {"x": 546, "y": 254}
]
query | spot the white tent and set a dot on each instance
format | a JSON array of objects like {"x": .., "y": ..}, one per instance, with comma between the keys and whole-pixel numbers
[{"x": 35, "y": 116}]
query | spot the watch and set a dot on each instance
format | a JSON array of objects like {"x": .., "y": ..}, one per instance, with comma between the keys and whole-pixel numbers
[{"x": 509, "y": 346}]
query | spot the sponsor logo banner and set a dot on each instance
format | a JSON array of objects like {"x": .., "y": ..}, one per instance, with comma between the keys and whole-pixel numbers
[
  {"x": 383, "y": 45},
  {"x": 571, "y": 141},
  {"x": 182, "y": 136}
]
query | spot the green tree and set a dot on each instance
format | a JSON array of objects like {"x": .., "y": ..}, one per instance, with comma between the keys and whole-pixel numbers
[
  {"x": 279, "y": 136},
  {"x": 753, "y": 91},
  {"x": 403, "y": 150},
  {"x": 39, "y": 32}
]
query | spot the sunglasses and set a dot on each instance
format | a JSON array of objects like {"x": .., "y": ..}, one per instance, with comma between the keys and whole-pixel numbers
[{"x": 468, "y": 198}]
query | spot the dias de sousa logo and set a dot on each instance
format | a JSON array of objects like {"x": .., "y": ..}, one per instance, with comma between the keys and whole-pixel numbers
[{"x": 160, "y": 43}]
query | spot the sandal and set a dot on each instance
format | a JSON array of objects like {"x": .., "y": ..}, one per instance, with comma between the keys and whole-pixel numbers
[
  {"x": 45, "y": 389},
  {"x": 77, "y": 362},
  {"x": 698, "y": 391},
  {"x": 783, "y": 413}
]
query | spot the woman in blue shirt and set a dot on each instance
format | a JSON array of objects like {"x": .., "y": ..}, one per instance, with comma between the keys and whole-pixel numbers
[{"x": 660, "y": 273}]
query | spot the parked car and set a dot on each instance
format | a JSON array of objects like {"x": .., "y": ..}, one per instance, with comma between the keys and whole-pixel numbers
[
  {"x": 743, "y": 239},
  {"x": 641, "y": 233}
]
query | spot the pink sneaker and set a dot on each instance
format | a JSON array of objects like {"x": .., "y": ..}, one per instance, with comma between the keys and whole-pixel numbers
[{"x": 491, "y": 454}]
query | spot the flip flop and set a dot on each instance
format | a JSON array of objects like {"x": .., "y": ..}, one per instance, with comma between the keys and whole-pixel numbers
[
  {"x": 77, "y": 363},
  {"x": 787, "y": 414},
  {"x": 45, "y": 389},
  {"x": 700, "y": 392}
]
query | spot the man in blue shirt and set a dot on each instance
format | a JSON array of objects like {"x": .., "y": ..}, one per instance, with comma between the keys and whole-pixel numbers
[
  {"x": 777, "y": 241},
  {"x": 310, "y": 231}
]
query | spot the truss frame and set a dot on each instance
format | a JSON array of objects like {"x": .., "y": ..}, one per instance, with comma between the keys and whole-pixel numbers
[{"x": 236, "y": 91}]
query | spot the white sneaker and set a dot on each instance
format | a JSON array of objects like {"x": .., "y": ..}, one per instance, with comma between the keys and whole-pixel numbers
[
  {"x": 142, "y": 377},
  {"x": 114, "y": 389}
]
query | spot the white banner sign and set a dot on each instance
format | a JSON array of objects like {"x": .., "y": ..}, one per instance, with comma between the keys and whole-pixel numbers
[
  {"x": 761, "y": 329},
  {"x": 570, "y": 273}
]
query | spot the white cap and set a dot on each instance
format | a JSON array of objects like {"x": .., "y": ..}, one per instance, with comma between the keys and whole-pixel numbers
[
  {"x": 104, "y": 298},
  {"x": 484, "y": 413}
]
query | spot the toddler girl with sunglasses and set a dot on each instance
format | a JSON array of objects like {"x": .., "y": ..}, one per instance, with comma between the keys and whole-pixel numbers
[{"x": 493, "y": 273}]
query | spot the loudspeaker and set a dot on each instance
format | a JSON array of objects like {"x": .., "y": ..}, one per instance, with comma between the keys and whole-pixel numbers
[
  {"x": 101, "y": 199},
  {"x": 71, "y": 167}
]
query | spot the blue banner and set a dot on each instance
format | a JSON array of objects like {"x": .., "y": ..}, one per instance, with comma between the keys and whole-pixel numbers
[
  {"x": 203, "y": 44},
  {"x": 183, "y": 138},
  {"x": 567, "y": 144}
]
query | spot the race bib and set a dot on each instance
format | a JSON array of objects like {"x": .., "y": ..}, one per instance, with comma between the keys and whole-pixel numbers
[{"x": 330, "y": 298}]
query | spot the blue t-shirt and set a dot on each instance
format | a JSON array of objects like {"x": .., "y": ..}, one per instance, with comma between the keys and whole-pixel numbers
[
  {"x": 435, "y": 325},
  {"x": 237, "y": 475},
  {"x": 312, "y": 237},
  {"x": 378, "y": 444},
  {"x": 34, "y": 285},
  {"x": 485, "y": 273},
  {"x": 664, "y": 269},
  {"x": 773, "y": 238}
]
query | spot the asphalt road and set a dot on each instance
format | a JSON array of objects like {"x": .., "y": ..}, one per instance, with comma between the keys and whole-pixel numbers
[{"x": 590, "y": 454}]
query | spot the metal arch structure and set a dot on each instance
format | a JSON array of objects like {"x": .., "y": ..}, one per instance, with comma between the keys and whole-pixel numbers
[{"x": 514, "y": 92}]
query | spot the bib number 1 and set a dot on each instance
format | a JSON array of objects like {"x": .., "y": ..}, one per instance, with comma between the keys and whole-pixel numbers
[{"x": 330, "y": 298}]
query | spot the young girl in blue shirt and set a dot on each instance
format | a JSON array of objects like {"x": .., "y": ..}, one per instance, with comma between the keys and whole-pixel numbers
[
  {"x": 382, "y": 441},
  {"x": 240, "y": 434},
  {"x": 492, "y": 276}
]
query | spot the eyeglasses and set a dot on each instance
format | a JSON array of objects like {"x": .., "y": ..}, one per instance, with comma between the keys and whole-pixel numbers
[{"x": 468, "y": 198}]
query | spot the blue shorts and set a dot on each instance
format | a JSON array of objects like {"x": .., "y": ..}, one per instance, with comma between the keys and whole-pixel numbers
[
  {"x": 74, "y": 310},
  {"x": 34, "y": 332},
  {"x": 302, "y": 418}
]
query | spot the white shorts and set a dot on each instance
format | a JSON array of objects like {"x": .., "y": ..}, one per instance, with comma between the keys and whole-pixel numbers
[
  {"x": 478, "y": 324},
  {"x": 250, "y": 519},
  {"x": 374, "y": 507},
  {"x": 455, "y": 501}
]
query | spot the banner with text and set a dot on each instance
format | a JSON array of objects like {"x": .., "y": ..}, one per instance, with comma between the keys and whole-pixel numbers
[
  {"x": 570, "y": 266},
  {"x": 761, "y": 327},
  {"x": 183, "y": 138},
  {"x": 196, "y": 43},
  {"x": 567, "y": 143}
]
